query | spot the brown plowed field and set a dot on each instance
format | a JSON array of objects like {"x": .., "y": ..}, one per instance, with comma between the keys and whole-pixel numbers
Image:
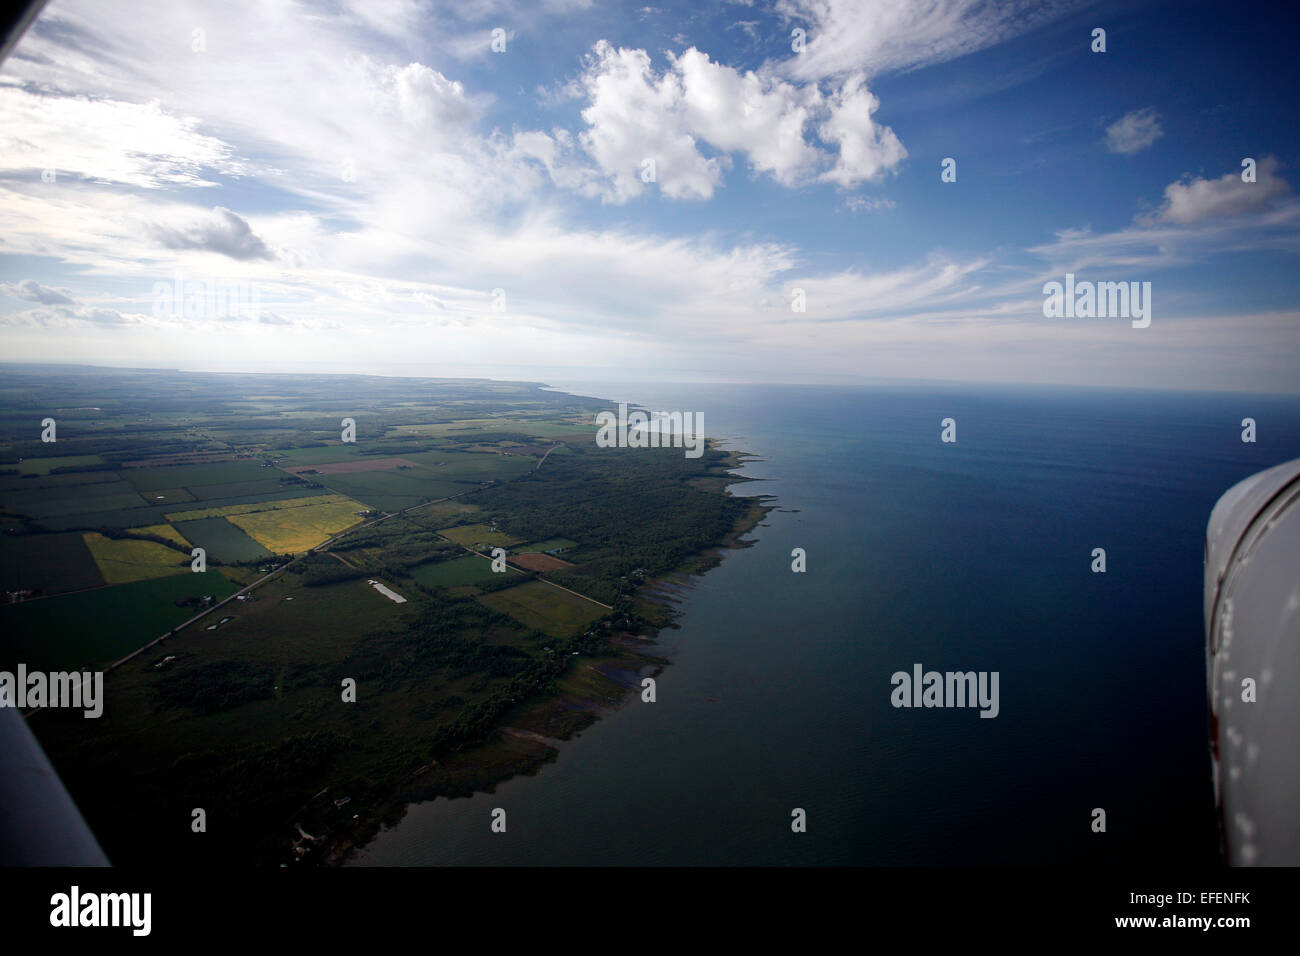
[{"x": 538, "y": 562}]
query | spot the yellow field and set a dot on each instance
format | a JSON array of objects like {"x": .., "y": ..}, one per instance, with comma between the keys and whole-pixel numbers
[
  {"x": 225, "y": 511},
  {"x": 290, "y": 530},
  {"x": 162, "y": 531},
  {"x": 125, "y": 560}
]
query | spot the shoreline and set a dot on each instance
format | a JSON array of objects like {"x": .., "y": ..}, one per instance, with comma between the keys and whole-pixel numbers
[{"x": 532, "y": 736}]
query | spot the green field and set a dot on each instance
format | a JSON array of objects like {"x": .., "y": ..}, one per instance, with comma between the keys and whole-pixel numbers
[
  {"x": 190, "y": 476},
  {"x": 90, "y": 484},
  {"x": 550, "y": 544},
  {"x": 68, "y": 507},
  {"x": 18, "y": 483},
  {"x": 52, "y": 562},
  {"x": 97, "y": 627},
  {"x": 550, "y": 430},
  {"x": 67, "y": 498},
  {"x": 449, "y": 429},
  {"x": 42, "y": 466},
  {"x": 240, "y": 489},
  {"x": 70, "y": 501},
  {"x": 467, "y": 570},
  {"x": 320, "y": 455},
  {"x": 474, "y": 466},
  {"x": 166, "y": 495},
  {"x": 550, "y": 610},
  {"x": 225, "y": 511},
  {"x": 445, "y": 511},
  {"x": 122, "y": 560},
  {"x": 559, "y": 430},
  {"x": 477, "y": 535},
  {"x": 153, "y": 514},
  {"x": 221, "y": 539},
  {"x": 391, "y": 490}
]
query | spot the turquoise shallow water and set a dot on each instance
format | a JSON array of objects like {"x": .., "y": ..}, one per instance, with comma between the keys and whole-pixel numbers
[{"x": 969, "y": 556}]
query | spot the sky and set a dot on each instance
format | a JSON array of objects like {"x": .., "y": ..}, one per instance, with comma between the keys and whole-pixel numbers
[{"x": 746, "y": 190}]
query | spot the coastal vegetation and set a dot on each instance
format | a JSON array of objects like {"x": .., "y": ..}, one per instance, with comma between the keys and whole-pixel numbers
[{"x": 242, "y": 711}]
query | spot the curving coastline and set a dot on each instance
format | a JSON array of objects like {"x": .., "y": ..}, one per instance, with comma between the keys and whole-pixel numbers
[{"x": 534, "y": 736}]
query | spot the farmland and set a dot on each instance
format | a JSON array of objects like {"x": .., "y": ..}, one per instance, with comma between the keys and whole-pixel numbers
[
  {"x": 538, "y": 562},
  {"x": 69, "y": 498},
  {"x": 474, "y": 466},
  {"x": 238, "y": 489},
  {"x": 242, "y": 706},
  {"x": 121, "y": 560},
  {"x": 445, "y": 512},
  {"x": 392, "y": 490},
  {"x": 92, "y": 628},
  {"x": 221, "y": 539},
  {"x": 290, "y": 530},
  {"x": 318, "y": 454},
  {"x": 225, "y": 511},
  {"x": 470, "y": 569},
  {"x": 50, "y": 563},
  {"x": 139, "y": 514},
  {"x": 548, "y": 609},
  {"x": 539, "y": 429},
  {"x": 162, "y": 531},
  {"x": 478, "y": 536},
  {"x": 190, "y": 476},
  {"x": 348, "y": 467},
  {"x": 43, "y": 466},
  {"x": 167, "y": 495},
  {"x": 550, "y": 544}
]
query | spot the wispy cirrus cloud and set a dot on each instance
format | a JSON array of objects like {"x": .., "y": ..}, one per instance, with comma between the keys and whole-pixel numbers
[
  {"x": 877, "y": 36},
  {"x": 80, "y": 135}
]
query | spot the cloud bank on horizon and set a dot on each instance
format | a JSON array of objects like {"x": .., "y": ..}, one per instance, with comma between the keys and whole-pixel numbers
[{"x": 797, "y": 190}]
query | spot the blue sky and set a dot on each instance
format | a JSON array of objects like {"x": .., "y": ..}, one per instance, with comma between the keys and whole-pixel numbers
[{"x": 378, "y": 185}]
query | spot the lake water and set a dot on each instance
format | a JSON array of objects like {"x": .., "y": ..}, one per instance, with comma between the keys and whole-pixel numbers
[{"x": 967, "y": 556}]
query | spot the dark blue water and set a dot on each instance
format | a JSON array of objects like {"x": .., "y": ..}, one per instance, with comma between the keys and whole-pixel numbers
[{"x": 969, "y": 556}]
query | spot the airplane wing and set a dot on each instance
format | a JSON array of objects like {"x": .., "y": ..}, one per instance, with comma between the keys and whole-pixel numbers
[{"x": 1252, "y": 634}]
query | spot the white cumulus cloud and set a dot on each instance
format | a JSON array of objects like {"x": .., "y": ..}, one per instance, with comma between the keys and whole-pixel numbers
[
  {"x": 1134, "y": 131},
  {"x": 1193, "y": 200}
]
